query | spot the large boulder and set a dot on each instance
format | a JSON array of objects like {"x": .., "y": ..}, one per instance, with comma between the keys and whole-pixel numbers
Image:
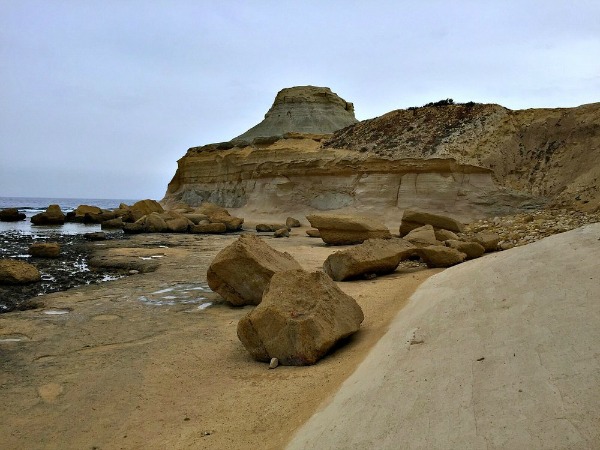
[
  {"x": 336, "y": 229},
  {"x": 143, "y": 208},
  {"x": 52, "y": 216},
  {"x": 179, "y": 224},
  {"x": 45, "y": 249},
  {"x": 412, "y": 219},
  {"x": 302, "y": 316},
  {"x": 241, "y": 271},
  {"x": 218, "y": 214},
  {"x": 11, "y": 215},
  {"x": 488, "y": 240},
  {"x": 471, "y": 249},
  {"x": 153, "y": 223},
  {"x": 18, "y": 272},
  {"x": 374, "y": 256},
  {"x": 112, "y": 224},
  {"x": 422, "y": 236},
  {"x": 440, "y": 256},
  {"x": 82, "y": 210}
]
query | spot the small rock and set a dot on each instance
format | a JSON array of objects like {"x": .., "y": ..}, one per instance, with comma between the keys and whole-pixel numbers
[
  {"x": 45, "y": 250},
  {"x": 274, "y": 363},
  {"x": 282, "y": 232},
  {"x": 290, "y": 222}
]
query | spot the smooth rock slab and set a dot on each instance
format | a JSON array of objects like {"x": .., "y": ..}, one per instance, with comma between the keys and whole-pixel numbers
[
  {"x": 374, "y": 256},
  {"x": 345, "y": 229},
  {"x": 241, "y": 271},
  {"x": 302, "y": 316},
  {"x": 422, "y": 236}
]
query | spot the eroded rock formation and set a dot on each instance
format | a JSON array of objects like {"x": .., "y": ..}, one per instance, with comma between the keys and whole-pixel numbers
[{"x": 469, "y": 161}]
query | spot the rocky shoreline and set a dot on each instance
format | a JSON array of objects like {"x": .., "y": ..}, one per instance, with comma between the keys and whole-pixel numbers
[{"x": 69, "y": 270}]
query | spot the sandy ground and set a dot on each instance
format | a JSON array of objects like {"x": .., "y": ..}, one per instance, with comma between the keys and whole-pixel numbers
[
  {"x": 116, "y": 372},
  {"x": 501, "y": 352}
]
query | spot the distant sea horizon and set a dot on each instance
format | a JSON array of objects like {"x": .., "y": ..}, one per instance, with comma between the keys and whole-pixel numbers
[{"x": 34, "y": 205}]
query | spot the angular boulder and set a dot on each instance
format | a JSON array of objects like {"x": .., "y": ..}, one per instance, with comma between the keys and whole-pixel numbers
[
  {"x": 18, "y": 272},
  {"x": 488, "y": 240},
  {"x": 412, "y": 219},
  {"x": 178, "y": 225},
  {"x": 471, "y": 249},
  {"x": 444, "y": 235},
  {"x": 282, "y": 232},
  {"x": 290, "y": 222},
  {"x": 344, "y": 229},
  {"x": 218, "y": 214},
  {"x": 112, "y": 224},
  {"x": 302, "y": 316},
  {"x": 374, "y": 256},
  {"x": 241, "y": 271},
  {"x": 52, "y": 216},
  {"x": 422, "y": 236},
  {"x": 82, "y": 210},
  {"x": 153, "y": 223},
  {"x": 45, "y": 250},
  {"x": 440, "y": 256},
  {"x": 11, "y": 215},
  {"x": 143, "y": 208}
]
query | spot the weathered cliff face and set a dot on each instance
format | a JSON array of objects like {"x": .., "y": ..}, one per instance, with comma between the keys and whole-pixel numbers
[
  {"x": 470, "y": 161},
  {"x": 303, "y": 109}
]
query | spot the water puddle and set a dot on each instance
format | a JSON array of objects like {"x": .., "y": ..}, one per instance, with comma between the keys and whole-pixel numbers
[
  {"x": 13, "y": 338},
  {"x": 178, "y": 294},
  {"x": 56, "y": 312}
]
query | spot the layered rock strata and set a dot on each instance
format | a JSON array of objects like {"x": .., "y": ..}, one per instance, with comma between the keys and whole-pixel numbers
[
  {"x": 469, "y": 161},
  {"x": 303, "y": 109}
]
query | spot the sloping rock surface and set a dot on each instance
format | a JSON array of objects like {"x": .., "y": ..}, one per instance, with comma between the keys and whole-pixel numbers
[
  {"x": 500, "y": 364},
  {"x": 302, "y": 316}
]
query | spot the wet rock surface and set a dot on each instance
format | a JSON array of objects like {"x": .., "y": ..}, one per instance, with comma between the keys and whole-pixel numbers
[{"x": 57, "y": 274}]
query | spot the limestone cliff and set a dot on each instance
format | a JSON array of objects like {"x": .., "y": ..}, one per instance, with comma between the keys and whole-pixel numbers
[
  {"x": 303, "y": 109},
  {"x": 470, "y": 160}
]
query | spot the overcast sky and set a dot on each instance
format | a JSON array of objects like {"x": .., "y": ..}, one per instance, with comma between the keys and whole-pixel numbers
[{"x": 99, "y": 99}]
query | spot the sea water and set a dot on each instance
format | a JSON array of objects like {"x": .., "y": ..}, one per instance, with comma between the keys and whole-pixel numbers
[{"x": 34, "y": 205}]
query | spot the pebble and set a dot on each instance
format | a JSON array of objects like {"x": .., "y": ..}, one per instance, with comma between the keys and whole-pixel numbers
[{"x": 274, "y": 363}]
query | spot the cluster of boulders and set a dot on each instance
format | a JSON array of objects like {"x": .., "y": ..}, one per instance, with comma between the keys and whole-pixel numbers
[
  {"x": 145, "y": 216},
  {"x": 300, "y": 315},
  {"x": 279, "y": 230}
]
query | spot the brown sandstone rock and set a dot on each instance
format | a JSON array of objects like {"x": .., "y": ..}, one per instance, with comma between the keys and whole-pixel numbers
[
  {"x": 18, "y": 272},
  {"x": 344, "y": 229},
  {"x": 471, "y": 249},
  {"x": 302, "y": 316},
  {"x": 133, "y": 228},
  {"x": 269, "y": 227},
  {"x": 52, "y": 216},
  {"x": 45, "y": 250},
  {"x": 445, "y": 235},
  {"x": 232, "y": 223},
  {"x": 290, "y": 222},
  {"x": 82, "y": 210},
  {"x": 422, "y": 236},
  {"x": 153, "y": 223},
  {"x": 489, "y": 241},
  {"x": 313, "y": 233},
  {"x": 178, "y": 225},
  {"x": 282, "y": 232},
  {"x": 439, "y": 256},
  {"x": 112, "y": 224},
  {"x": 144, "y": 208},
  {"x": 11, "y": 215},
  {"x": 211, "y": 228},
  {"x": 412, "y": 219},
  {"x": 374, "y": 256},
  {"x": 241, "y": 271},
  {"x": 195, "y": 218}
]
